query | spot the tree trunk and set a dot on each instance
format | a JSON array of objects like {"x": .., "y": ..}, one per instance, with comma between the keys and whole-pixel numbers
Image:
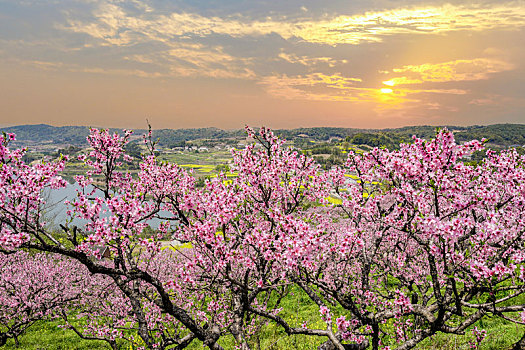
[{"x": 237, "y": 326}]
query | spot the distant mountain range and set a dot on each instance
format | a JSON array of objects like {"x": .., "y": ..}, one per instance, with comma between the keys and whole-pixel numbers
[{"x": 503, "y": 135}]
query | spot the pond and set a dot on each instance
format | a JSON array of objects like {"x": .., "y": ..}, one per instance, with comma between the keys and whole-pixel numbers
[{"x": 56, "y": 207}]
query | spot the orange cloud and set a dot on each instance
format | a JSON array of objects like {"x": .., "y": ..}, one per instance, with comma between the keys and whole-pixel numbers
[
  {"x": 372, "y": 26},
  {"x": 310, "y": 61},
  {"x": 315, "y": 87},
  {"x": 458, "y": 70}
]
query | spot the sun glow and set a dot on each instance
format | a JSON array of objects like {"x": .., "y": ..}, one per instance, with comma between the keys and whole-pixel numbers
[
  {"x": 386, "y": 91},
  {"x": 389, "y": 82}
]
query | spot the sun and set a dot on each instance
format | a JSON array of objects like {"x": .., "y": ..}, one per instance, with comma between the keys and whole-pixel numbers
[
  {"x": 389, "y": 82},
  {"x": 386, "y": 91}
]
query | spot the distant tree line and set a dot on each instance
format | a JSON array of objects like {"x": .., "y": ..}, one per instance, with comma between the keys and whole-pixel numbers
[{"x": 498, "y": 134}]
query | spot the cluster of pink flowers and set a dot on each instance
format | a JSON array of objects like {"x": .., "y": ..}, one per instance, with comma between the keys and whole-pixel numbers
[{"x": 479, "y": 336}]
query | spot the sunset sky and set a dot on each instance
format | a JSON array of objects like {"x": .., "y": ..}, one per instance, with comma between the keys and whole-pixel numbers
[{"x": 283, "y": 64}]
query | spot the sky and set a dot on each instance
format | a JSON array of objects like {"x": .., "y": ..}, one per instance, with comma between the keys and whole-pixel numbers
[{"x": 281, "y": 64}]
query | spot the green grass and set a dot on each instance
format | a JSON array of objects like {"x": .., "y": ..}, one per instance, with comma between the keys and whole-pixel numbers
[
  {"x": 501, "y": 334},
  {"x": 48, "y": 336}
]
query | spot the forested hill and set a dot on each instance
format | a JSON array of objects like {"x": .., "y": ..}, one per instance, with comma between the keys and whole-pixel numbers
[
  {"x": 502, "y": 135},
  {"x": 43, "y": 133},
  {"x": 76, "y": 135},
  {"x": 497, "y": 134}
]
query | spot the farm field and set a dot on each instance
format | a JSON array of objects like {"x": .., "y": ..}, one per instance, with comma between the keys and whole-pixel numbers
[{"x": 202, "y": 164}]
